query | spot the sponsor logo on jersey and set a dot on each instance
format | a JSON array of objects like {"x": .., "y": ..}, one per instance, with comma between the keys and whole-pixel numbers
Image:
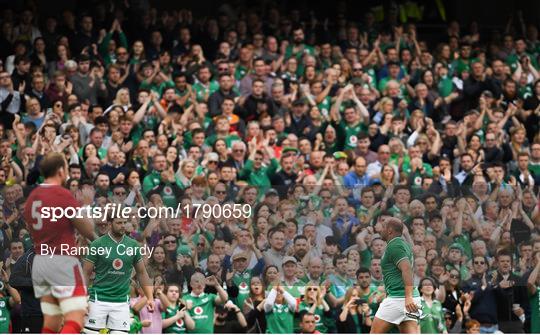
[
  {"x": 167, "y": 190},
  {"x": 243, "y": 286},
  {"x": 198, "y": 310},
  {"x": 180, "y": 323},
  {"x": 2, "y": 304},
  {"x": 317, "y": 318},
  {"x": 117, "y": 264}
]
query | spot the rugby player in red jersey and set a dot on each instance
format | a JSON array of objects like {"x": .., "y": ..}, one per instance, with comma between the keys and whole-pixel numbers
[{"x": 56, "y": 275}]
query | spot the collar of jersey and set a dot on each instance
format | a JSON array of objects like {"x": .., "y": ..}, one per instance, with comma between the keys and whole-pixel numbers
[
  {"x": 197, "y": 296},
  {"x": 393, "y": 239},
  {"x": 115, "y": 241}
]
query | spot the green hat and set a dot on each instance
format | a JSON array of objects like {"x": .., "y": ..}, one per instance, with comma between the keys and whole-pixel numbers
[
  {"x": 184, "y": 250},
  {"x": 289, "y": 149},
  {"x": 463, "y": 67},
  {"x": 27, "y": 242},
  {"x": 476, "y": 60},
  {"x": 340, "y": 155},
  {"x": 457, "y": 246}
]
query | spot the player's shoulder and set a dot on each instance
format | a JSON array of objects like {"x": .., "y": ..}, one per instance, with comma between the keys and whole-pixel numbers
[
  {"x": 51, "y": 193},
  {"x": 128, "y": 240},
  {"x": 100, "y": 240},
  {"x": 397, "y": 242}
]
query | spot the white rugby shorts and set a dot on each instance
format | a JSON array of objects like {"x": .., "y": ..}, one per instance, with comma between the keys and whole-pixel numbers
[{"x": 393, "y": 310}]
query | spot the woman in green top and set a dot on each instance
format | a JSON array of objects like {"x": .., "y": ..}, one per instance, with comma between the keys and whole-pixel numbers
[
  {"x": 176, "y": 319},
  {"x": 279, "y": 307},
  {"x": 313, "y": 302},
  {"x": 433, "y": 321}
]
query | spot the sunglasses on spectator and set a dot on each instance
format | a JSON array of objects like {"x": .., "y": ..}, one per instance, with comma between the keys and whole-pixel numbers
[
  {"x": 357, "y": 69},
  {"x": 169, "y": 242},
  {"x": 120, "y": 193},
  {"x": 479, "y": 262},
  {"x": 220, "y": 192},
  {"x": 312, "y": 289},
  {"x": 454, "y": 276}
]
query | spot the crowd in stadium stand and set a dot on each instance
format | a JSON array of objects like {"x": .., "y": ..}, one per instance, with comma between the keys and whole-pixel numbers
[{"x": 318, "y": 125}]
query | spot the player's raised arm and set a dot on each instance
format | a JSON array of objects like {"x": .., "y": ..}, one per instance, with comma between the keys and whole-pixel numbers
[{"x": 85, "y": 225}]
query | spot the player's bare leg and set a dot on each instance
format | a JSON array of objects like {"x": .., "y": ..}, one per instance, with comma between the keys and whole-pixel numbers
[
  {"x": 52, "y": 315},
  {"x": 74, "y": 310},
  {"x": 379, "y": 326},
  {"x": 409, "y": 327}
]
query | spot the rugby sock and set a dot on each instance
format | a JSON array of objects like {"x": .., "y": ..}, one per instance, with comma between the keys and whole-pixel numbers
[
  {"x": 46, "y": 330},
  {"x": 71, "y": 327}
]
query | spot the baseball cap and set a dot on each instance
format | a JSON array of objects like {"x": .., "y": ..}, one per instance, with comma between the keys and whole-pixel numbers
[
  {"x": 240, "y": 255},
  {"x": 456, "y": 246},
  {"x": 184, "y": 250},
  {"x": 487, "y": 94},
  {"x": 272, "y": 191},
  {"x": 299, "y": 102},
  {"x": 289, "y": 149},
  {"x": 213, "y": 157},
  {"x": 288, "y": 259},
  {"x": 340, "y": 155}
]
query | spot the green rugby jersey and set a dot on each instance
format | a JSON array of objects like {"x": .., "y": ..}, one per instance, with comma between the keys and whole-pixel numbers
[
  {"x": 179, "y": 327},
  {"x": 202, "y": 312},
  {"x": 397, "y": 250},
  {"x": 113, "y": 273}
]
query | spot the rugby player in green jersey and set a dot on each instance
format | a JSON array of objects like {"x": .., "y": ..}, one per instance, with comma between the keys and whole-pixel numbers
[
  {"x": 402, "y": 306},
  {"x": 109, "y": 293}
]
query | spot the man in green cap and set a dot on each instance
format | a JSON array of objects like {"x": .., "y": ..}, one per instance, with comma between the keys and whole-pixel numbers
[{"x": 455, "y": 260}]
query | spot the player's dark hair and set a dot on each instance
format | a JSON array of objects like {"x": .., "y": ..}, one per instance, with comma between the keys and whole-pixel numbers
[{"x": 51, "y": 164}]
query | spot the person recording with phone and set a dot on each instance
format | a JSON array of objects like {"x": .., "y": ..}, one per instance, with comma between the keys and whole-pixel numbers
[{"x": 355, "y": 316}]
